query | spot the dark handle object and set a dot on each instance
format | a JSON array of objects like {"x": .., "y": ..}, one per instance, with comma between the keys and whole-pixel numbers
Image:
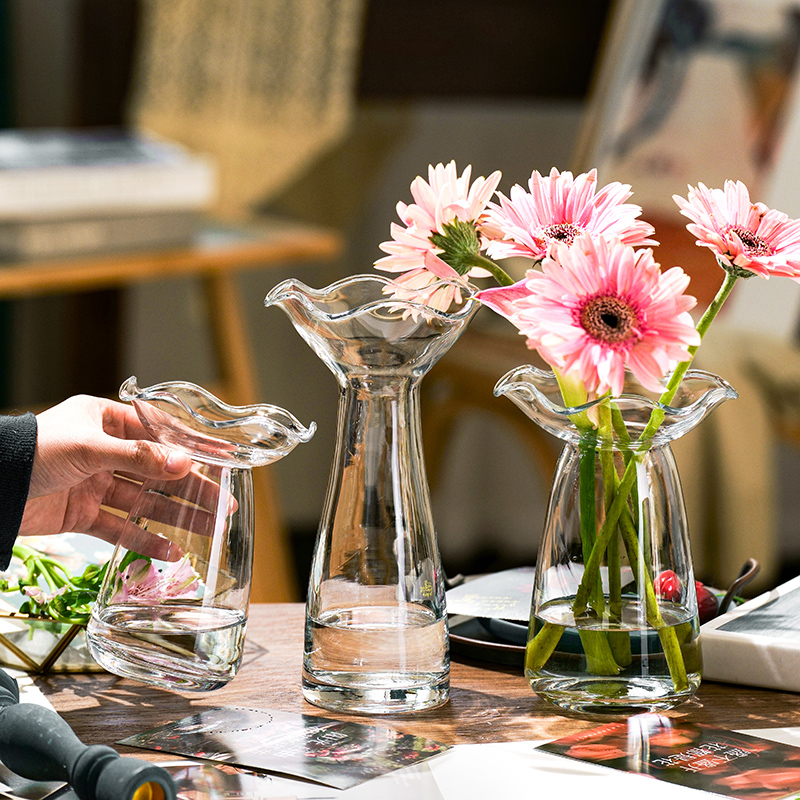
[
  {"x": 749, "y": 571},
  {"x": 37, "y": 744}
]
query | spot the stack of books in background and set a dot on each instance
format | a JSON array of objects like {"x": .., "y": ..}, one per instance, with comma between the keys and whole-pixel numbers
[{"x": 71, "y": 192}]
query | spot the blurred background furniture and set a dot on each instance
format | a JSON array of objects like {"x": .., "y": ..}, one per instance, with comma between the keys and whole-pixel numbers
[
  {"x": 406, "y": 90},
  {"x": 262, "y": 87}
]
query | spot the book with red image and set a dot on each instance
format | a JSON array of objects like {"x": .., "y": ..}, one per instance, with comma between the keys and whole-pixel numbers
[{"x": 696, "y": 756}]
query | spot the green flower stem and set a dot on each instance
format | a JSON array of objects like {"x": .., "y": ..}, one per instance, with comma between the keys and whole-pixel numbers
[
  {"x": 498, "y": 273},
  {"x": 586, "y": 501},
  {"x": 609, "y": 484},
  {"x": 657, "y": 415},
  {"x": 667, "y": 635},
  {"x": 672, "y": 652},
  {"x": 72, "y": 604},
  {"x": 55, "y": 571},
  {"x": 619, "y": 640},
  {"x": 618, "y": 513},
  {"x": 540, "y": 648},
  {"x": 599, "y": 654},
  {"x": 36, "y": 566},
  {"x": 596, "y": 646},
  {"x": 620, "y": 429},
  {"x": 574, "y": 395},
  {"x": 592, "y": 566}
]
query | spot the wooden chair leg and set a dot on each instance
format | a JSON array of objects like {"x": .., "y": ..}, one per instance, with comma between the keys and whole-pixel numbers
[
  {"x": 273, "y": 572},
  {"x": 457, "y": 389}
]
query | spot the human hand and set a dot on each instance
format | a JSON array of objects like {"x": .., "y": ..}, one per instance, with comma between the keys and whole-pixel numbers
[{"x": 91, "y": 457}]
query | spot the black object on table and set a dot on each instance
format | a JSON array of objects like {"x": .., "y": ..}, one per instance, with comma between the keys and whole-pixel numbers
[{"x": 37, "y": 744}]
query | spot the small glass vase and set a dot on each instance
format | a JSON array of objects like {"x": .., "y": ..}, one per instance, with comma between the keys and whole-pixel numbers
[
  {"x": 614, "y": 624},
  {"x": 172, "y": 610},
  {"x": 376, "y": 637}
]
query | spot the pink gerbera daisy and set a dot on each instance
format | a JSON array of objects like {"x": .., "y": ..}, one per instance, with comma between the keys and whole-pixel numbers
[
  {"x": 443, "y": 201},
  {"x": 432, "y": 286},
  {"x": 558, "y": 209},
  {"x": 746, "y": 236},
  {"x": 598, "y": 308}
]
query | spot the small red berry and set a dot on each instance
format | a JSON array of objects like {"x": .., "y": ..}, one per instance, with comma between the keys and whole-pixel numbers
[
  {"x": 707, "y": 602},
  {"x": 668, "y": 585}
]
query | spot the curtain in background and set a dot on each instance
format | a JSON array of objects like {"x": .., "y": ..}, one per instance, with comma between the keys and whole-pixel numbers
[{"x": 263, "y": 87}]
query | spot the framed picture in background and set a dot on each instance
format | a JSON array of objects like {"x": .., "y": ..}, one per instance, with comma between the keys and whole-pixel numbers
[{"x": 692, "y": 91}]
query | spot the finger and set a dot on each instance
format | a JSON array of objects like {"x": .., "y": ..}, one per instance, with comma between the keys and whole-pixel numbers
[
  {"x": 115, "y": 530},
  {"x": 172, "y": 517},
  {"x": 196, "y": 487},
  {"x": 158, "y": 511},
  {"x": 122, "y": 421},
  {"x": 144, "y": 459},
  {"x": 123, "y": 493}
]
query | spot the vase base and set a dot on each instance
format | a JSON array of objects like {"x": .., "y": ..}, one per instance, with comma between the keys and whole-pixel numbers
[
  {"x": 603, "y": 695},
  {"x": 170, "y": 646},
  {"x": 373, "y": 698}
]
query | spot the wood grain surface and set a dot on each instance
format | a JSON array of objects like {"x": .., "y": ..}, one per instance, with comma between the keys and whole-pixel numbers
[{"x": 488, "y": 704}]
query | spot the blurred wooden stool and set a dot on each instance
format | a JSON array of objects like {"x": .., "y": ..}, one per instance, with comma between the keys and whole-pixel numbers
[{"x": 463, "y": 381}]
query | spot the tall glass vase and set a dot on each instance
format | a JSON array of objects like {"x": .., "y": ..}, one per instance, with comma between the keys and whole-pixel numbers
[
  {"x": 614, "y": 624},
  {"x": 376, "y": 637}
]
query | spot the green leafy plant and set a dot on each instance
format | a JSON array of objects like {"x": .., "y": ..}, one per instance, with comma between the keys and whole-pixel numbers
[{"x": 50, "y": 592}]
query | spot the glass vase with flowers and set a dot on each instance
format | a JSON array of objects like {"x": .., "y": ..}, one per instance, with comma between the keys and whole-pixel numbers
[{"x": 614, "y": 610}]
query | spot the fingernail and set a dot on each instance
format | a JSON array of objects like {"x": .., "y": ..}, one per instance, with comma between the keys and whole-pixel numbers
[{"x": 176, "y": 462}]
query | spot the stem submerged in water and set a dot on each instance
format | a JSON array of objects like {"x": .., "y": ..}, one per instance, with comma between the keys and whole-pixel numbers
[
  {"x": 541, "y": 647},
  {"x": 619, "y": 514}
]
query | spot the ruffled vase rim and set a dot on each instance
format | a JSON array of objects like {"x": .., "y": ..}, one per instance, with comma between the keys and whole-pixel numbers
[
  {"x": 176, "y": 413},
  {"x": 508, "y": 383},
  {"x": 311, "y": 298}
]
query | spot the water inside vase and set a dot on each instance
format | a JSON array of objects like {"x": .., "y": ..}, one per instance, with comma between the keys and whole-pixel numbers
[
  {"x": 643, "y": 684},
  {"x": 175, "y": 645}
]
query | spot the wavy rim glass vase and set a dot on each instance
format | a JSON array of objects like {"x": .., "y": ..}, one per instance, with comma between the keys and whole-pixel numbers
[
  {"x": 614, "y": 624},
  {"x": 172, "y": 610},
  {"x": 376, "y": 635}
]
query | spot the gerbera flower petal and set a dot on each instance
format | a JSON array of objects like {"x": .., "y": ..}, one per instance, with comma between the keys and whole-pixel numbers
[
  {"x": 743, "y": 234},
  {"x": 501, "y": 299},
  {"x": 559, "y": 208},
  {"x": 438, "y": 202},
  {"x": 439, "y": 268},
  {"x": 600, "y": 307}
]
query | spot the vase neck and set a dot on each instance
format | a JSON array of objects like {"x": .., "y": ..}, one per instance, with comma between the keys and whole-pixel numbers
[
  {"x": 379, "y": 418},
  {"x": 378, "y": 500}
]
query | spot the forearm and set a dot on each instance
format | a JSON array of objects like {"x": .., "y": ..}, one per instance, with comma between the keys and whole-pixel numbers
[{"x": 17, "y": 448}]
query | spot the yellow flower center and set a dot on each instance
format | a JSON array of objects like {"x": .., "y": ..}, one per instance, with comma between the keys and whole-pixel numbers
[{"x": 608, "y": 319}]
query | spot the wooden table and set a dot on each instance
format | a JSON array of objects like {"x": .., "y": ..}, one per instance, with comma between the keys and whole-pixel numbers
[
  {"x": 487, "y": 704},
  {"x": 217, "y": 255}
]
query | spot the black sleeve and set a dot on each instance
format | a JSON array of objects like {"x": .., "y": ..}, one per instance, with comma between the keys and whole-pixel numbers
[{"x": 17, "y": 447}]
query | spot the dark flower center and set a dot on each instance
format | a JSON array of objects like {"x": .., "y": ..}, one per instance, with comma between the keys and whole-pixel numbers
[
  {"x": 608, "y": 319},
  {"x": 754, "y": 245},
  {"x": 563, "y": 232}
]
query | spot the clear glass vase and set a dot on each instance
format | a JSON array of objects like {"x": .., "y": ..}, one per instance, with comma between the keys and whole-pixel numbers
[
  {"x": 376, "y": 638},
  {"x": 614, "y": 624},
  {"x": 172, "y": 610}
]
